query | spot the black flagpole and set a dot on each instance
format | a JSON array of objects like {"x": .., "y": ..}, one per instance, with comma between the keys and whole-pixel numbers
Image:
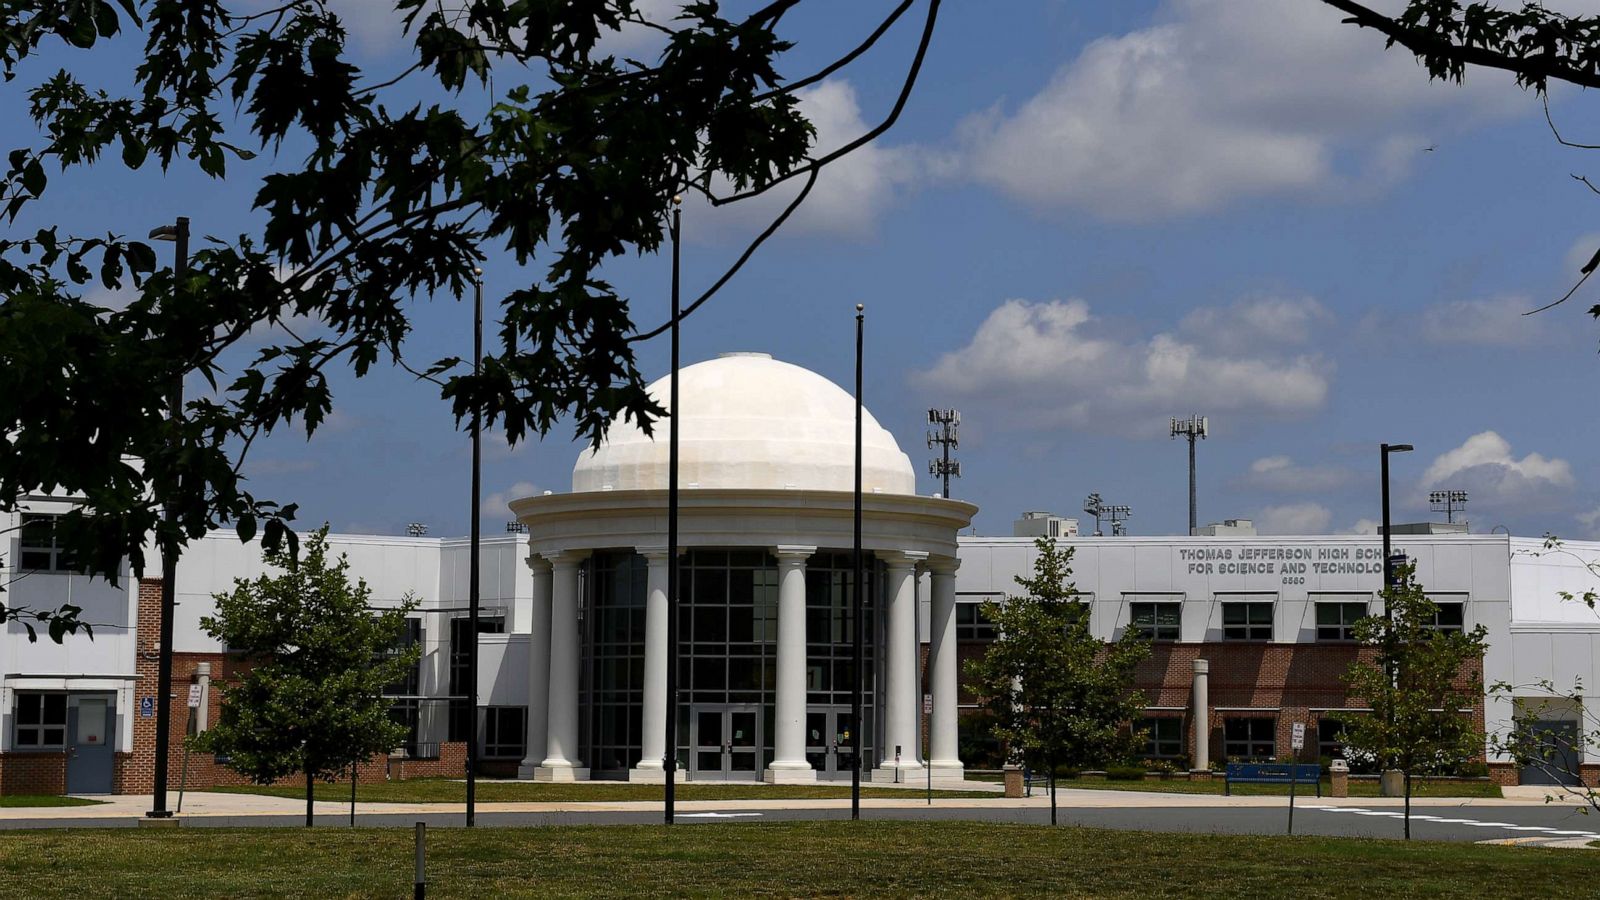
[
  {"x": 856, "y": 700},
  {"x": 670, "y": 763},
  {"x": 472, "y": 577}
]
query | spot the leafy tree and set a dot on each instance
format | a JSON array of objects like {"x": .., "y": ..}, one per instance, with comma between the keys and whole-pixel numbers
[
  {"x": 317, "y": 660},
  {"x": 1059, "y": 695},
  {"x": 510, "y": 130},
  {"x": 1535, "y": 44},
  {"x": 1416, "y": 686},
  {"x": 1558, "y": 757}
]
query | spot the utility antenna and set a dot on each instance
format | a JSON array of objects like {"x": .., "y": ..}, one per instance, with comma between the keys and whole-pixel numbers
[
  {"x": 1194, "y": 428},
  {"x": 946, "y": 421}
]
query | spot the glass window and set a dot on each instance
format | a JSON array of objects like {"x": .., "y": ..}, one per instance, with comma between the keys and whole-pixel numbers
[
  {"x": 41, "y": 721},
  {"x": 39, "y": 549},
  {"x": 1450, "y": 616},
  {"x": 972, "y": 624},
  {"x": 1247, "y": 621},
  {"x": 1330, "y": 738},
  {"x": 1156, "y": 621},
  {"x": 1337, "y": 621},
  {"x": 1163, "y": 738},
  {"x": 505, "y": 730},
  {"x": 1250, "y": 739},
  {"x": 460, "y": 645}
]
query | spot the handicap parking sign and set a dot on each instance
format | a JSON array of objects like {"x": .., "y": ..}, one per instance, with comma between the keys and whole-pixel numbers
[{"x": 147, "y": 707}]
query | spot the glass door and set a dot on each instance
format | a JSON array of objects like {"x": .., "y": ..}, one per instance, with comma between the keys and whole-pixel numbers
[
  {"x": 725, "y": 743},
  {"x": 828, "y": 742}
]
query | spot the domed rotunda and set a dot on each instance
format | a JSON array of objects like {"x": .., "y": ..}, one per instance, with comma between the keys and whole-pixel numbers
[{"x": 765, "y": 606}]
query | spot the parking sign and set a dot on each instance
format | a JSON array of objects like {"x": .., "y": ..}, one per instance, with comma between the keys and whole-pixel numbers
[{"x": 1297, "y": 738}]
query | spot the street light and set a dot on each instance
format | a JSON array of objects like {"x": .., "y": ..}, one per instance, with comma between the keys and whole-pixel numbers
[
  {"x": 1388, "y": 563},
  {"x": 177, "y": 232}
]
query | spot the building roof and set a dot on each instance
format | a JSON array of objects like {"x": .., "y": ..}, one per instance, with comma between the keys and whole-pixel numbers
[{"x": 750, "y": 421}]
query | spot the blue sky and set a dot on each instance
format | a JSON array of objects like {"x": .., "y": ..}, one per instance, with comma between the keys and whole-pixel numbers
[{"x": 1091, "y": 217}]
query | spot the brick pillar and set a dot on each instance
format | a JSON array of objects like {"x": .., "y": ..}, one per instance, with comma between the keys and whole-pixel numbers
[{"x": 137, "y": 774}]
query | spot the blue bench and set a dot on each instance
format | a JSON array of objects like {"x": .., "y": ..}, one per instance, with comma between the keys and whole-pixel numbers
[{"x": 1271, "y": 773}]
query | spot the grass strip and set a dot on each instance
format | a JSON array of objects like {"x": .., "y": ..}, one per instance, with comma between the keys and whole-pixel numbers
[
  {"x": 444, "y": 790},
  {"x": 774, "y": 860}
]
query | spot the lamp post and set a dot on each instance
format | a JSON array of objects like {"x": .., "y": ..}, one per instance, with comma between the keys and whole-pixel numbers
[
  {"x": 178, "y": 232},
  {"x": 858, "y": 655},
  {"x": 1388, "y": 563}
]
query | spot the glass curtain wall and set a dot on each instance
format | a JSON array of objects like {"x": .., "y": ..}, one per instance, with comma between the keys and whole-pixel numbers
[
  {"x": 727, "y": 637},
  {"x": 830, "y": 642},
  {"x": 611, "y": 623}
]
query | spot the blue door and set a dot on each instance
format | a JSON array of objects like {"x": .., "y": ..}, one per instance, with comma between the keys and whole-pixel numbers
[{"x": 90, "y": 722}]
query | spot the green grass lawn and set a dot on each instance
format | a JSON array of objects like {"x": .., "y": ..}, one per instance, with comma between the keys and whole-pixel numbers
[
  {"x": 777, "y": 859},
  {"x": 27, "y": 800},
  {"x": 1214, "y": 786},
  {"x": 441, "y": 790}
]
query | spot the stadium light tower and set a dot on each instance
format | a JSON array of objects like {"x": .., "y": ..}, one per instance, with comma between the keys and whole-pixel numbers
[
  {"x": 1447, "y": 502},
  {"x": 946, "y": 421},
  {"x": 1194, "y": 428},
  {"x": 1117, "y": 514},
  {"x": 1094, "y": 506},
  {"x": 1098, "y": 508}
]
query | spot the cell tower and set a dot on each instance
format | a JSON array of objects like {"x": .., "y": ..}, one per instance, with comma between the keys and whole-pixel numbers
[
  {"x": 1194, "y": 428},
  {"x": 944, "y": 435},
  {"x": 1447, "y": 502}
]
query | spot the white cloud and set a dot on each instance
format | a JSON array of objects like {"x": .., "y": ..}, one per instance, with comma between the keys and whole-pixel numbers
[
  {"x": 1364, "y": 526},
  {"x": 1590, "y": 521},
  {"x": 498, "y": 504},
  {"x": 1043, "y": 364},
  {"x": 1222, "y": 100},
  {"x": 1484, "y": 466},
  {"x": 850, "y": 193},
  {"x": 1249, "y": 323},
  {"x": 1280, "y": 474},
  {"x": 1294, "y": 518},
  {"x": 1489, "y": 322}
]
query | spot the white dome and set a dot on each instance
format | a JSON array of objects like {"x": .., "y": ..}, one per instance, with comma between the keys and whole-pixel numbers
[{"x": 750, "y": 421}]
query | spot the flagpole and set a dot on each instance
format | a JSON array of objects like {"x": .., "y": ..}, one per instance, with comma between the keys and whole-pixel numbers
[
  {"x": 859, "y": 588},
  {"x": 670, "y": 763}
]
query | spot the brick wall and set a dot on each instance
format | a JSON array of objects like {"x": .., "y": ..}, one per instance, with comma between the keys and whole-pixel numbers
[
  {"x": 1284, "y": 682},
  {"x": 33, "y": 773}
]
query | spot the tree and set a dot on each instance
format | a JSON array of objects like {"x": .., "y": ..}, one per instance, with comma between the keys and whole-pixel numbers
[
  {"x": 374, "y": 189},
  {"x": 1416, "y": 685},
  {"x": 1535, "y": 44},
  {"x": 317, "y": 658},
  {"x": 1558, "y": 756},
  {"x": 1059, "y": 695}
]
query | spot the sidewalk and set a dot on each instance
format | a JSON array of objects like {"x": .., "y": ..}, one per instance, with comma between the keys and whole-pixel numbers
[{"x": 200, "y": 804}]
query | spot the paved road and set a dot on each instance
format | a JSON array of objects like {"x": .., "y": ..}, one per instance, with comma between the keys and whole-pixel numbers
[{"x": 1455, "y": 823}]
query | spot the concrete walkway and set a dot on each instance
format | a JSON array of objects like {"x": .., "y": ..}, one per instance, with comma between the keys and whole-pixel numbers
[{"x": 200, "y": 804}]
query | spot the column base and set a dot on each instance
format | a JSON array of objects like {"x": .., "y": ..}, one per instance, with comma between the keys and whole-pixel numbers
[
  {"x": 951, "y": 770},
  {"x": 646, "y": 775},
  {"x": 526, "y": 768},
  {"x": 905, "y": 773},
  {"x": 787, "y": 775},
  {"x": 560, "y": 773}
]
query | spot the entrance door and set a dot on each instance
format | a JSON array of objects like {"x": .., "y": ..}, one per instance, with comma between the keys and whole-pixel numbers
[
  {"x": 828, "y": 736},
  {"x": 725, "y": 743},
  {"x": 89, "y": 753},
  {"x": 1557, "y": 762}
]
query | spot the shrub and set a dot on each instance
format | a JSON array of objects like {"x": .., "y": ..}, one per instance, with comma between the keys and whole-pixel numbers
[{"x": 1125, "y": 773}]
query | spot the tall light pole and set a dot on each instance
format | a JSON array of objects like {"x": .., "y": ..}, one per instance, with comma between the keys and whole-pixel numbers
[
  {"x": 858, "y": 588},
  {"x": 1194, "y": 428},
  {"x": 670, "y": 764},
  {"x": 944, "y": 435},
  {"x": 1447, "y": 502},
  {"x": 472, "y": 577},
  {"x": 1388, "y": 562},
  {"x": 177, "y": 232}
]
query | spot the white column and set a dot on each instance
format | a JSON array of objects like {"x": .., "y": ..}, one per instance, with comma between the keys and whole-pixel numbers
[
  {"x": 652, "y": 744},
  {"x": 561, "y": 761},
  {"x": 943, "y": 668},
  {"x": 538, "y": 667},
  {"x": 900, "y": 700},
  {"x": 1200, "y": 758},
  {"x": 789, "y": 765}
]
